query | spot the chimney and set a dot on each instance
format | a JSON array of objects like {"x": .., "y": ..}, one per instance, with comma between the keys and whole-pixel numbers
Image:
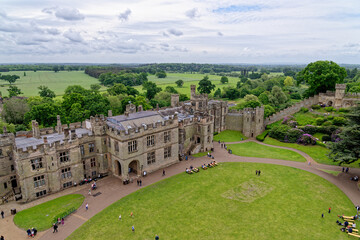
[
  {"x": 110, "y": 113},
  {"x": 45, "y": 140},
  {"x": 58, "y": 125},
  {"x": 157, "y": 107},
  {"x": 73, "y": 134},
  {"x": 66, "y": 132},
  {"x": 126, "y": 113},
  {"x": 140, "y": 108},
  {"x": 174, "y": 100},
  {"x": 35, "y": 129}
]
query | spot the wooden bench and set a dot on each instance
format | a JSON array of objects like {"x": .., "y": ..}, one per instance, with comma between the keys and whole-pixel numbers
[{"x": 354, "y": 235}]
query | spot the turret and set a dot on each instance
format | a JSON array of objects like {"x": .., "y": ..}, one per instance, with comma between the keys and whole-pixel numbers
[
  {"x": 174, "y": 100},
  {"x": 35, "y": 129},
  {"x": 58, "y": 125},
  {"x": 193, "y": 90}
]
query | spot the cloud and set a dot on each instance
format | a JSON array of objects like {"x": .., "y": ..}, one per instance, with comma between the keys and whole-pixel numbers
[
  {"x": 192, "y": 13},
  {"x": 175, "y": 32},
  {"x": 220, "y": 34},
  {"x": 165, "y": 34},
  {"x": 68, "y": 14},
  {"x": 52, "y": 31},
  {"x": 73, "y": 36},
  {"x": 49, "y": 10},
  {"x": 124, "y": 16}
]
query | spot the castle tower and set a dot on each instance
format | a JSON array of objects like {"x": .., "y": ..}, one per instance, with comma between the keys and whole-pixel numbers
[
  {"x": 259, "y": 120},
  {"x": 339, "y": 95},
  {"x": 174, "y": 100},
  {"x": 58, "y": 125}
]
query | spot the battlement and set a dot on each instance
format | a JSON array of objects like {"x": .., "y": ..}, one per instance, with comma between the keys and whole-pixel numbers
[
  {"x": 327, "y": 94},
  {"x": 246, "y": 110},
  {"x": 352, "y": 95},
  {"x": 340, "y": 86}
]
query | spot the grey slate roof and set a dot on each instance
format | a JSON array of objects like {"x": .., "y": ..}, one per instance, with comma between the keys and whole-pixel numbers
[{"x": 134, "y": 120}]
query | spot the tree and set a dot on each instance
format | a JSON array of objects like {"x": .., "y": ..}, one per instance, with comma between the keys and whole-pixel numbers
[
  {"x": 205, "y": 85},
  {"x": 45, "y": 114},
  {"x": 217, "y": 93},
  {"x": 231, "y": 93},
  {"x": 289, "y": 81},
  {"x": 151, "y": 89},
  {"x": 321, "y": 76},
  {"x": 264, "y": 97},
  {"x": 24, "y": 74},
  {"x": 251, "y": 97},
  {"x": 14, "y": 91},
  {"x": 224, "y": 80},
  {"x": 55, "y": 68},
  {"x": 116, "y": 89},
  {"x": 95, "y": 87},
  {"x": 161, "y": 74},
  {"x": 46, "y": 92},
  {"x": 9, "y": 78},
  {"x": 171, "y": 89},
  {"x": 14, "y": 110},
  {"x": 179, "y": 83},
  {"x": 277, "y": 96},
  {"x": 346, "y": 148},
  {"x": 268, "y": 110}
]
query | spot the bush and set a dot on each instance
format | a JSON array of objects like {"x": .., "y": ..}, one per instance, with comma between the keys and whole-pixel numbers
[
  {"x": 344, "y": 110},
  {"x": 310, "y": 129},
  {"x": 319, "y": 121},
  {"x": 293, "y": 135},
  {"x": 315, "y": 106},
  {"x": 339, "y": 121},
  {"x": 262, "y": 136},
  {"x": 307, "y": 139},
  {"x": 279, "y": 132},
  {"x": 320, "y": 144},
  {"x": 327, "y": 123},
  {"x": 304, "y": 110},
  {"x": 326, "y": 138},
  {"x": 216, "y": 133},
  {"x": 329, "y": 109},
  {"x": 295, "y": 95},
  {"x": 331, "y": 117}
]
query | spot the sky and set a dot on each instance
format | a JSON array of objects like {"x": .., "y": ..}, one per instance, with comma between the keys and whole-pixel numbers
[{"x": 198, "y": 31}]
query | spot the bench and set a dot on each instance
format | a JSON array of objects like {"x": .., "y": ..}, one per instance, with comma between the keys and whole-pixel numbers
[{"x": 354, "y": 235}]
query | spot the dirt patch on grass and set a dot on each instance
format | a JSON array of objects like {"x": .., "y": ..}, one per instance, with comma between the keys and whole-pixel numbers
[{"x": 248, "y": 191}]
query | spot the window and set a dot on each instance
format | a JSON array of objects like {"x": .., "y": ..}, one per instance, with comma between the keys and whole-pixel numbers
[
  {"x": 5, "y": 185},
  {"x": 41, "y": 193},
  {"x": 92, "y": 162},
  {"x": 200, "y": 104},
  {"x": 36, "y": 163},
  {"x": 109, "y": 143},
  {"x": 199, "y": 129},
  {"x": 82, "y": 150},
  {"x": 12, "y": 167},
  {"x": 150, "y": 140},
  {"x": 1, "y": 152},
  {"x": 93, "y": 173},
  {"x": 209, "y": 139},
  {"x": 167, "y": 152},
  {"x": 167, "y": 136},
  {"x": 91, "y": 147},
  {"x": 65, "y": 173},
  {"x": 64, "y": 156},
  {"x": 104, "y": 141},
  {"x": 39, "y": 181},
  {"x": 132, "y": 146},
  {"x": 68, "y": 184},
  {"x": 84, "y": 165},
  {"x": 208, "y": 128},
  {"x": 150, "y": 158},
  {"x": 116, "y": 144}
]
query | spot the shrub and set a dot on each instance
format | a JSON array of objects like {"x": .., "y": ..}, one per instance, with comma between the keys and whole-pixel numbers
[
  {"x": 304, "y": 110},
  {"x": 279, "y": 132},
  {"x": 320, "y": 144},
  {"x": 330, "y": 117},
  {"x": 339, "y": 121},
  {"x": 307, "y": 139},
  {"x": 315, "y": 106},
  {"x": 216, "y": 133},
  {"x": 310, "y": 129},
  {"x": 326, "y": 138},
  {"x": 287, "y": 119},
  {"x": 262, "y": 136},
  {"x": 295, "y": 95},
  {"x": 327, "y": 123},
  {"x": 292, "y": 123},
  {"x": 344, "y": 110},
  {"x": 319, "y": 121},
  {"x": 329, "y": 109},
  {"x": 293, "y": 135}
]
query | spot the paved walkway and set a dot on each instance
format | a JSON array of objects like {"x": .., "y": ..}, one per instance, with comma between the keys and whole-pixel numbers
[{"x": 111, "y": 189}]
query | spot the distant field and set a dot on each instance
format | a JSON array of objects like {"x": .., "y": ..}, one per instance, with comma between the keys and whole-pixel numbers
[{"x": 55, "y": 81}]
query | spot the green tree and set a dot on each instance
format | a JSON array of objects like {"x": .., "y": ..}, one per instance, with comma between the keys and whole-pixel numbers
[
  {"x": 24, "y": 74},
  {"x": 321, "y": 76},
  {"x": 289, "y": 81},
  {"x": 264, "y": 97},
  {"x": 217, "y": 93},
  {"x": 46, "y": 92},
  {"x": 163, "y": 98},
  {"x": 14, "y": 91},
  {"x": 231, "y": 93},
  {"x": 268, "y": 110},
  {"x": 277, "y": 96},
  {"x": 9, "y": 78},
  {"x": 95, "y": 87},
  {"x": 179, "y": 83},
  {"x": 224, "y": 80},
  {"x": 45, "y": 114},
  {"x": 55, "y": 68},
  {"x": 14, "y": 110},
  {"x": 116, "y": 89},
  {"x": 151, "y": 89},
  {"x": 251, "y": 97},
  {"x": 346, "y": 148},
  {"x": 205, "y": 85},
  {"x": 160, "y": 74},
  {"x": 171, "y": 89}
]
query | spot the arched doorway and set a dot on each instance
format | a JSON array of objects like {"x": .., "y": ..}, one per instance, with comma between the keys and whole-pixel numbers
[
  {"x": 329, "y": 104},
  {"x": 117, "y": 168},
  {"x": 134, "y": 167}
]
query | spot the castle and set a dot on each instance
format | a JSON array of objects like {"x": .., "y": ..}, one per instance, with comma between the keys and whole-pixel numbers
[{"x": 44, "y": 161}]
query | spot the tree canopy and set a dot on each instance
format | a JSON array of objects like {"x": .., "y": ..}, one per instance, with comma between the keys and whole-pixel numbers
[
  {"x": 205, "y": 85},
  {"x": 151, "y": 89},
  {"x": 46, "y": 92},
  {"x": 179, "y": 83},
  {"x": 224, "y": 80},
  {"x": 321, "y": 76},
  {"x": 14, "y": 91}
]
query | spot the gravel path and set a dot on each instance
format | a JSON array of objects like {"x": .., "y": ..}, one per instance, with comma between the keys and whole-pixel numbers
[{"x": 111, "y": 189}]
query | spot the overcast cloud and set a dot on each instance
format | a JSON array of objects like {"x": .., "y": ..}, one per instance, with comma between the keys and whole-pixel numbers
[{"x": 209, "y": 31}]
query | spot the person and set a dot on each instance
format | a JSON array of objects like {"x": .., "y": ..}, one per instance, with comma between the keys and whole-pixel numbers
[
  {"x": 62, "y": 221},
  {"x": 133, "y": 228},
  {"x": 89, "y": 191},
  {"x": 120, "y": 217},
  {"x": 131, "y": 214},
  {"x": 343, "y": 169},
  {"x": 322, "y": 215},
  {"x": 28, "y": 232},
  {"x": 55, "y": 228},
  {"x": 309, "y": 163},
  {"x": 350, "y": 230},
  {"x": 145, "y": 173},
  {"x": 59, "y": 221},
  {"x": 156, "y": 236},
  {"x": 163, "y": 172},
  {"x": 347, "y": 170},
  {"x": 354, "y": 225},
  {"x": 2, "y": 238},
  {"x": 87, "y": 207},
  {"x": 329, "y": 209},
  {"x": 34, "y": 230},
  {"x": 256, "y": 172},
  {"x": 140, "y": 182},
  {"x": 2, "y": 214},
  {"x": 259, "y": 172},
  {"x": 346, "y": 223}
]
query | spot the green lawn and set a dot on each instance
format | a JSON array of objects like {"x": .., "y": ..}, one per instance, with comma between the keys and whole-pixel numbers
[
  {"x": 305, "y": 118},
  {"x": 57, "y": 82},
  {"x": 253, "y": 149},
  {"x": 318, "y": 153},
  {"x": 200, "y": 154},
  {"x": 42, "y": 215},
  {"x": 229, "y": 136},
  {"x": 226, "y": 202},
  {"x": 335, "y": 173}
]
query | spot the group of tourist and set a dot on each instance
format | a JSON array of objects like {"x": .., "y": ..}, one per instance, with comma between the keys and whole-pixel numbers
[
  {"x": 203, "y": 166},
  {"x": 349, "y": 224},
  {"x": 60, "y": 221},
  {"x": 191, "y": 170},
  {"x": 31, "y": 232}
]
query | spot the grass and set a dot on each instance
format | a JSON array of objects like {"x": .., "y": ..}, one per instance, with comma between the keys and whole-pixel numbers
[
  {"x": 319, "y": 136},
  {"x": 200, "y": 154},
  {"x": 318, "y": 153},
  {"x": 335, "y": 173},
  {"x": 305, "y": 118},
  {"x": 229, "y": 136},
  {"x": 57, "y": 82},
  {"x": 226, "y": 202},
  {"x": 274, "y": 124},
  {"x": 252, "y": 149},
  {"x": 42, "y": 215}
]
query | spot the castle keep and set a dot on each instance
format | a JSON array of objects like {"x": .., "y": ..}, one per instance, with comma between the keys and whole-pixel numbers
[{"x": 45, "y": 161}]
